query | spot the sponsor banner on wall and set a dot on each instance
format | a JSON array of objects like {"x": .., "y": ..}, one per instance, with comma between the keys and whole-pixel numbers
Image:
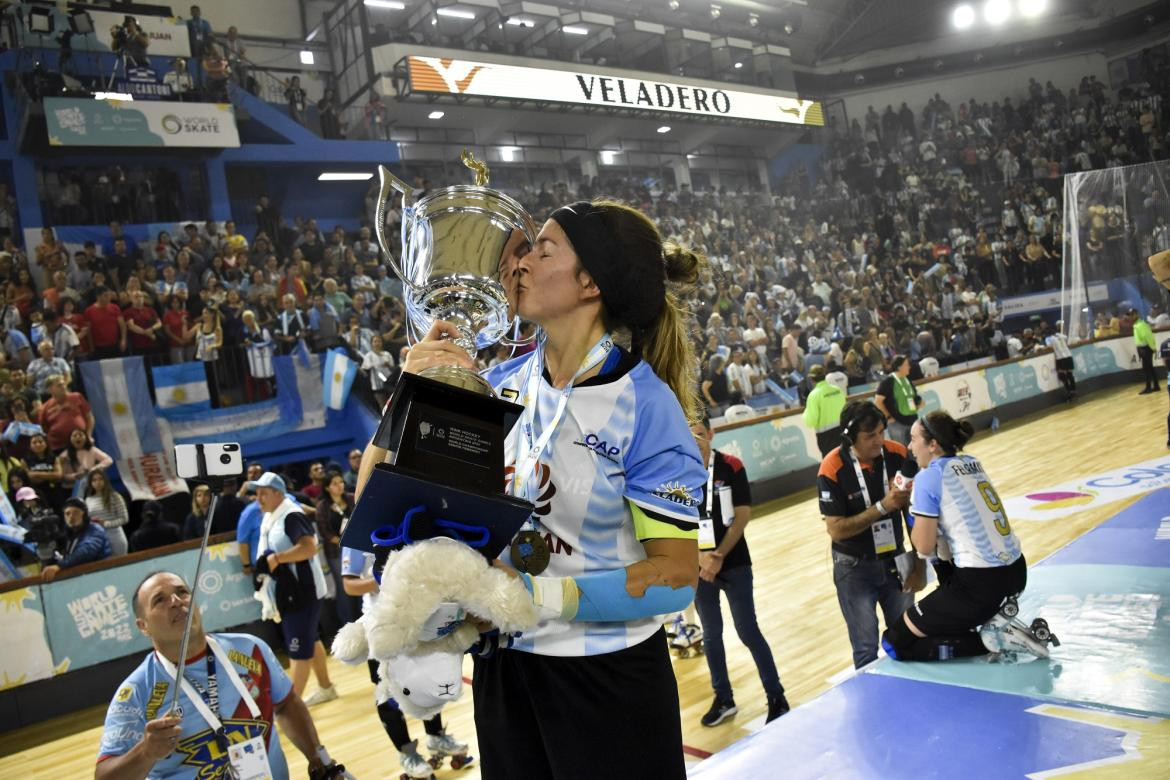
[
  {"x": 1055, "y": 503},
  {"x": 85, "y": 122},
  {"x": 150, "y": 477},
  {"x": 90, "y": 618},
  {"x": 775, "y": 447},
  {"x": 24, "y": 646},
  {"x": 604, "y": 90},
  {"x": 772, "y": 448}
]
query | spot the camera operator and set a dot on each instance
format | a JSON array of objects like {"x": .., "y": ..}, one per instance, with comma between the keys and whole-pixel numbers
[
  {"x": 43, "y": 527},
  {"x": 84, "y": 541},
  {"x": 130, "y": 41}
]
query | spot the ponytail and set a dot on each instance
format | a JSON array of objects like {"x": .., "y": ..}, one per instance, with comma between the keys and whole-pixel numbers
[
  {"x": 951, "y": 434},
  {"x": 668, "y": 344}
]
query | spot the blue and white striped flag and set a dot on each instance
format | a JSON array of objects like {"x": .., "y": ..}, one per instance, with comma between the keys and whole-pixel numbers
[
  {"x": 125, "y": 422},
  {"x": 339, "y": 374},
  {"x": 181, "y": 388}
]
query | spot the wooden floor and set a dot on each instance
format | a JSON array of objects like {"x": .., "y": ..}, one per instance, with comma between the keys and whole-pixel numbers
[{"x": 795, "y": 599}]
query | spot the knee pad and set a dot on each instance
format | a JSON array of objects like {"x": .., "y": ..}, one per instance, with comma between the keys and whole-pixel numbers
[{"x": 898, "y": 641}]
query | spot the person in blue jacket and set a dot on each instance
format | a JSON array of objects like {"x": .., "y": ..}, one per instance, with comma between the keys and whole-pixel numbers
[{"x": 85, "y": 541}]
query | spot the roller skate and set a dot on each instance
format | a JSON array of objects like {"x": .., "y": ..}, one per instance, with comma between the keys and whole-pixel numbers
[
  {"x": 443, "y": 745},
  {"x": 414, "y": 766},
  {"x": 1006, "y": 635},
  {"x": 685, "y": 638}
]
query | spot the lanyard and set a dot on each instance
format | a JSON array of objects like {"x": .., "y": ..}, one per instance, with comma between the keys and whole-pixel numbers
[
  {"x": 532, "y": 384},
  {"x": 879, "y": 464},
  {"x": 202, "y": 706},
  {"x": 710, "y": 481}
]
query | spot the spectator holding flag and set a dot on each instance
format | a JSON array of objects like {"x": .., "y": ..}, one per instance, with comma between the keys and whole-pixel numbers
[{"x": 259, "y": 347}]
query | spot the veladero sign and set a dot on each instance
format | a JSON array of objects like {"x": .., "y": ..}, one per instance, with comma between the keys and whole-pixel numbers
[{"x": 435, "y": 75}]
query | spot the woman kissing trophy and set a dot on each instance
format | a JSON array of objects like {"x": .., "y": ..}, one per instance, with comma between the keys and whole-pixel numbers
[{"x": 437, "y": 514}]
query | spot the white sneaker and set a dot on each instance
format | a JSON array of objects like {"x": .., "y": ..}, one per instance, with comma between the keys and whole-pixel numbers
[{"x": 322, "y": 695}]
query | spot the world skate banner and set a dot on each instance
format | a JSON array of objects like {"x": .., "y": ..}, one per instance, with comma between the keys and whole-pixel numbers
[{"x": 1054, "y": 503}]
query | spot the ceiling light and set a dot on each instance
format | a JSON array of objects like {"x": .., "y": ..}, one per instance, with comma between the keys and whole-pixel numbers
[
  {"x": 435, "y": 115},
  {"x": 1033, "y": 8},
  {"x": 715, "y": 11},
  {"x": 607, "y": 156},
  {"x": 664, "y": 129},
  {"x": 434, "y": 20},
  {"x": 506, "y": 153},
  {"x": 963, "y": 17},
  {"x": 997, "y": 11},
  {"x": 753, "y": 20},
  {"x": 672, "y": 5},
  {"x": 313, "y": 34},
  {"x": 345, "y": 177},
  {"x": 455, "y": 13},
  {"x": 394, "y": 5},
  {"x": 575, "y": 30},
  {"x": 738, "y": 65},
  {"x": 306, "y": 57},
  {"x": 113, "y": 96}
]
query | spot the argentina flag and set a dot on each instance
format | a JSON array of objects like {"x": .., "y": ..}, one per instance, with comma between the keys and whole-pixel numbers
[
  {"x": 181, "y": 388},
  {"x": 339, "y": 374},
  {"x": 125, "y": 425}
]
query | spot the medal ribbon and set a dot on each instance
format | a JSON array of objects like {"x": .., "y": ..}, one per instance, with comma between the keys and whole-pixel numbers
[{"x": 521, "y": 477}]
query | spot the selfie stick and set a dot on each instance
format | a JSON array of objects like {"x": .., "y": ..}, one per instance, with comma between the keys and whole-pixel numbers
[{"x": 191, "y": 606}]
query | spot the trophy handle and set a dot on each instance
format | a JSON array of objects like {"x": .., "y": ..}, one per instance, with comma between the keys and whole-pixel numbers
[
  {"x": 390, "y": 183},
  {"x": 508, "y": 341}
]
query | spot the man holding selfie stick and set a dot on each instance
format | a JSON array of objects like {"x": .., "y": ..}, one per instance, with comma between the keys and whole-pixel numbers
[{"x": 219, "y": 721}]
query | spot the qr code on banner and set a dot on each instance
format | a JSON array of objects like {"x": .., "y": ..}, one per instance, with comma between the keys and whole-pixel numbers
[
  {"x": 104, "y": 613},
  {"x": 72, "y": 119}
]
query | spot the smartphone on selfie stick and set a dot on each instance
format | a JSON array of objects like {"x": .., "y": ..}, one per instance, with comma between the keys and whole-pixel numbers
[{"x": 209, "y": 463}]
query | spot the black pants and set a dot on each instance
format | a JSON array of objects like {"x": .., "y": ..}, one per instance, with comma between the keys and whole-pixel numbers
[
  {"x": 1147, "y": 356},
  {"x": 1065, "y": 372},
  {"x": 601, "y": 716},
  {"x": 394, "y": 721},
  {"x": 829, "y": 439}
]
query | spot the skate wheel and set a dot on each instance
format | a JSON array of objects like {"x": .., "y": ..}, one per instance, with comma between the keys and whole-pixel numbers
[
  {"x": 435, "y": 761},
  {"x": 458, "y": 762},
  {"x": 1042, "y": 634},
  {"x": 1011, "y": 609}
]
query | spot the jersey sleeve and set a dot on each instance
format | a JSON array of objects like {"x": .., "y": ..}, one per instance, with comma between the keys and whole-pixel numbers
[
  {"x": 296, "y": 525},
  {"x": 125, "y": 720},
  {"x": 664, "y": 474},
  {"x": 832, "y": 501},
  {"x": 927, "y": 493},
  {"x": 741, "y": 489},
  {"x": 280, "y": 685},
  {"x": 353, "y": 562}
]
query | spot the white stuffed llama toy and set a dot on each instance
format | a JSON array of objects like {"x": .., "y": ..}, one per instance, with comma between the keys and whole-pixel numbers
[{"x": 418, "y": 626}]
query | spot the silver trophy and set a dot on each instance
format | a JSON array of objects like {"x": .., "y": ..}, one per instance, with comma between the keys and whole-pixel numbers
[
  {"x": 456, "y": 243},
  {"x": 445, "y": 427}
]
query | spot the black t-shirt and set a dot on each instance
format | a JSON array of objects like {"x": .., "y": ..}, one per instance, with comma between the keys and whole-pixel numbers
[
  {"x": 729, "y": 472},
  {"x": 841, "y": 495},
  {"x": 886, "y": 390}
]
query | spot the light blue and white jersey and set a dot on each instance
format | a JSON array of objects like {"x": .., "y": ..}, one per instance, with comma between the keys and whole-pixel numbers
[
  {"x": 356, "y": 563},
  {"x": 146, "y": 695},
  {"x": 971, "y": 517},
  {"x": 622, "y": 440}
]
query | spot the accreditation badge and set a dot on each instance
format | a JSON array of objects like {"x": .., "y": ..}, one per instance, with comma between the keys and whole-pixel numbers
[
  {"x": 249, "y": 760},
  {"x": 706, "y": 533},
  {"x": 883, "y": 536}
]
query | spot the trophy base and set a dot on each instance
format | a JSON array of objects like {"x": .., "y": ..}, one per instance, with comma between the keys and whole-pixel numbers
[
  {"x": 453, "y": 434},
  {"x": 391, "y": 492},
  {"x": 459, "y": 377}
]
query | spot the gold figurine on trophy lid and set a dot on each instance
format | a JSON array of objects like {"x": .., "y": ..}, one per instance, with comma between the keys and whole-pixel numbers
[{"x": 479, "y": 167}]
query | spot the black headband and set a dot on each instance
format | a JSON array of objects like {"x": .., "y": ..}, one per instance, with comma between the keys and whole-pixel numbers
[
  {"x": 632, "y": 292},
  {"x": 933, "y": 435}
]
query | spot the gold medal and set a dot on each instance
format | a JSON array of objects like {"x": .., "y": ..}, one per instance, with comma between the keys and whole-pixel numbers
[{"x": 529, "y": 552}]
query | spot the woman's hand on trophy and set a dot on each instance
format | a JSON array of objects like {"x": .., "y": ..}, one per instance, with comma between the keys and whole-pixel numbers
[{"x": 438, "y": 348}]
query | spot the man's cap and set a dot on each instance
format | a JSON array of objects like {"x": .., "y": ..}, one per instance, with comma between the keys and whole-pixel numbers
[
  {"x": 26, "y": 494},
  {"x": 816, "y": 371},
  {"x": 77, "y": 503},
  {"x": 268, "y": 480}
]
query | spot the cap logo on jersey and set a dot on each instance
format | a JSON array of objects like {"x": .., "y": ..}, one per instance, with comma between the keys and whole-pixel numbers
[{"x": 601, "y": 447}]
